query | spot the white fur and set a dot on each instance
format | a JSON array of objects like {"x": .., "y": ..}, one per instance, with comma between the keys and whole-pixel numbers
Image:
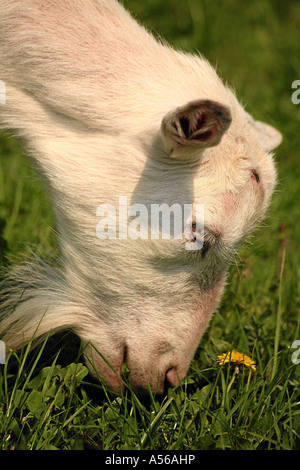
[{"x": 87, "y": 89}]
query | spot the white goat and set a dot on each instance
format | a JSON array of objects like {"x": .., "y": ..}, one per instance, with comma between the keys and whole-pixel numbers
[{"x": 105, "y": 110}]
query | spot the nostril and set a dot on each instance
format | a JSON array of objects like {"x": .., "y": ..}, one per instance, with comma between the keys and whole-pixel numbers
[{"x": 172, "y": 377}]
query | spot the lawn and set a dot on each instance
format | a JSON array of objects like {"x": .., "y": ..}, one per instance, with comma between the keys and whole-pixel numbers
[{"x": 47, "y": 398}]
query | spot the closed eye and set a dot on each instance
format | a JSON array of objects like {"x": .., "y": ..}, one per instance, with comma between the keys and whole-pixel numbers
[
  {"x": 205, "y": 248},
  {"x": 209, "y": 239},
  {"x": 255, "y": 175}
]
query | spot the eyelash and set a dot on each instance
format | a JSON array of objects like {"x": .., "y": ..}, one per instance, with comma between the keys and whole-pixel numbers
[
  {"x": 255, "y": 175},
  {"x": 205, "y": 248},
  {"x": 206, "y": 244}
]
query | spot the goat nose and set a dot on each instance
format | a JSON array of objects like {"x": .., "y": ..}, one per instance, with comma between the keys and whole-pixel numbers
[{"x": 172, "y": 377}]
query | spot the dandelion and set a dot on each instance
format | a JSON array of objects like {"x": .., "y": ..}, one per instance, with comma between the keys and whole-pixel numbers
[{"x": 236, "y": 357}]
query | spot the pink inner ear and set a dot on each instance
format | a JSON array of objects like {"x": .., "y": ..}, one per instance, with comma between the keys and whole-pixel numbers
[
  {"x": 199, "y": 122},
  {"x": 210, "y": 119},
  {"x": 203, "y": 136}
]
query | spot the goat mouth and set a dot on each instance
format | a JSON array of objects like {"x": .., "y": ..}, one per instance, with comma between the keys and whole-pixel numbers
[
  {"x": 131, "y": 376},
  {"x": 169, "y": 379},
  {"x": 172, "y": 377}
]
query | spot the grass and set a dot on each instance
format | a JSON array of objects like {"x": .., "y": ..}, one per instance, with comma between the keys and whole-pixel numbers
[
  {"x": 217, "y": 407},
  {"x": 47, "y": 398}
]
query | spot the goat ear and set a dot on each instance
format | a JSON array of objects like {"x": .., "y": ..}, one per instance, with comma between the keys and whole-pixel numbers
[
  {"x": 199, "y": 123},
  {"x": 269, "y": 137}
]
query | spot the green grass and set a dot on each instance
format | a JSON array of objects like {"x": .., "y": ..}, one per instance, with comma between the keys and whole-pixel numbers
[
  {"x": 216, "y": 407},
  {"x": 47, "y": 398}
]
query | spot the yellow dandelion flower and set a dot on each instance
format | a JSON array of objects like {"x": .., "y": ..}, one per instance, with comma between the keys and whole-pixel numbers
[{"x": 236, "y": 358}]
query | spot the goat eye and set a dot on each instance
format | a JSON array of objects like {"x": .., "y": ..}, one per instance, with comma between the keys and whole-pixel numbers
[
  {"x": 205, "y": 248},
  {"x": 255, "y": 175},
  {"x": 208, "y": 240}
]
